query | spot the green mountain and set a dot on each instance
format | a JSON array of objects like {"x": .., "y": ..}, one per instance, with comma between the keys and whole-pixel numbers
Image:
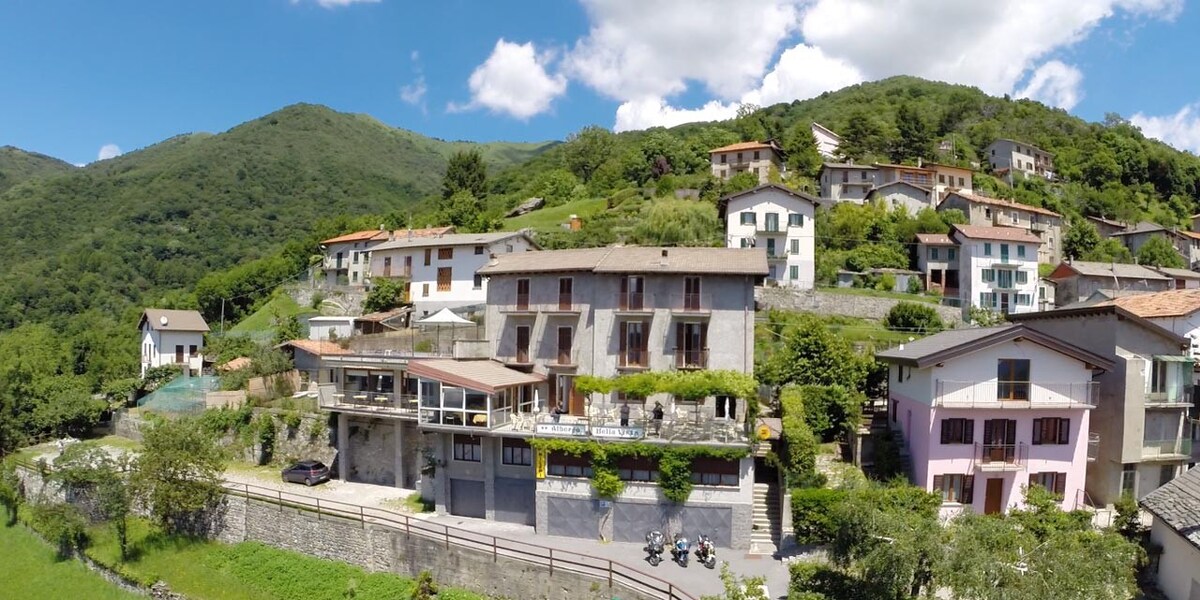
[
  {"x": 122, "y": 230},
  {"x": 17, "y": 165}
]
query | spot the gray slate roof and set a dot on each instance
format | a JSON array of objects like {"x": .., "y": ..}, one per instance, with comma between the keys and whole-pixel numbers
[
  {"x": 175, "y": 320},
  {"x": 1177, "y": 504},
  {"x": 452, "y": 239},
  {"x": 940, "y": 341},
  {"x": 1120, "y": 270},
  {"x": 635, "y": 259},
  {"x": 953, "y": 343}
]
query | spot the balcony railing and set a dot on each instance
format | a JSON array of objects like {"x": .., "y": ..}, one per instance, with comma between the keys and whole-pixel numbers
[
  {"x": 1011, "y": 394},
  {"x": 633, "y": 359},
  {"x": 684, "y": 424},
  {"x": 381, "y": 402},
  {"x": 691, "y": 359},
  {"x": 691, "y": 303},
  {"x": 1181, "y": 397},
  {"x": 768, "y": 229},
  {"x": 1093, "y": 447},
  {"x": 1000, "y": 457},
  {"x": 1169, "y": 449},
  {"x": 634, "y": 302},
  {"x": 564, "y": 305},
  {"x": 464, "y": 417}
]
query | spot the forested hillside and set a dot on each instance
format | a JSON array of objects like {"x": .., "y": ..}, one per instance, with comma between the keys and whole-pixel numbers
[{"x": 17, "y": 165}]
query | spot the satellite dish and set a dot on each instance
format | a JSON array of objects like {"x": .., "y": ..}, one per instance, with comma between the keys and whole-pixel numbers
[{"x": 162, "y": 320}]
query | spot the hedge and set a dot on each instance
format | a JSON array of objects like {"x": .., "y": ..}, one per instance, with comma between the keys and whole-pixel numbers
[{"x": 812, "y": 514}]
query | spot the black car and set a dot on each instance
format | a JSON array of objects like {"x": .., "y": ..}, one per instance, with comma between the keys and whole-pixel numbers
[{"x": 308, "y": 472}]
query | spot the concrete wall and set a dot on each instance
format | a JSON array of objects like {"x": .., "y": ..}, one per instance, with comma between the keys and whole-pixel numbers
[
  {"x": 831, "y": 303},
  {"x": 1176, "y": 576}
]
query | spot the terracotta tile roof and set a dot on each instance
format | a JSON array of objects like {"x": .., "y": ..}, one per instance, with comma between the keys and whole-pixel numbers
[
  {"x": 1005, "y": 203},
  {"x": 162, "y": 319},
  {"x": 1013, "y": 234},
  {"x": 935, "y": 239},
  {"x": 936, "y": 166},
  {"x": 1171, "y": 303},
  {"x": 635, "y": 259},
  {"x": 742, "y": 146},
  {"x": 481, "y": 375},
  {"x": 317, "y": 347},
  {"x": 769, "y": 187},
  {"x": 358, "y": 236},
  {"x": 240, "y": 362}
]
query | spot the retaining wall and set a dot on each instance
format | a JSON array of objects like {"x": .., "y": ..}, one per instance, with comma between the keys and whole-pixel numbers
[{"x": 849, "y": 305}]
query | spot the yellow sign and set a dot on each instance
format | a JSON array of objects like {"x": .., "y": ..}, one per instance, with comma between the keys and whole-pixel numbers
[
  {"x": 764, "y": 432},
  {"x": 539, "y": 464}
]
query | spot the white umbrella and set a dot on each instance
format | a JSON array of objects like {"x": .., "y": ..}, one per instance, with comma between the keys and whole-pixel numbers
[{"x": 444, "y": 317}]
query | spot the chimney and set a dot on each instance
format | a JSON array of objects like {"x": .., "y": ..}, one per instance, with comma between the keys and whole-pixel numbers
[
  {"x": 382, "y": 228},
  {"x": 663, "y": 260},
  {"x": 492, "y": 260},
  {"x": 410, "y": 234}
]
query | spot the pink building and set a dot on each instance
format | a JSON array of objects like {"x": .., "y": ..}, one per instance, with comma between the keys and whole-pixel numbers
[{"x": 986, "y": 412}]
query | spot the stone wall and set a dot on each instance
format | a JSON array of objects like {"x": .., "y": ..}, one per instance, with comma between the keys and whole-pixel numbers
[
  {"x": 295, "y": 444},
  {"x": 377, "y": 548},
  {"x": 849, "y": 305}
]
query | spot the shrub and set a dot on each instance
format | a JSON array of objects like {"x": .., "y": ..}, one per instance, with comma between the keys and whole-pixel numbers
[
  {"x": 887, "y": 456},
  {"x": 812, "y": 514},
  {"x": 814, "y": 581},
  {"x": 799, "y": 459},
  {"x": 915, "y": 317},
  {"x": 63, "y": 525},
  {"x": 292, "y": 421},
  {"x": 266, "y": 438},
  {"x": 831, "y": 410}
]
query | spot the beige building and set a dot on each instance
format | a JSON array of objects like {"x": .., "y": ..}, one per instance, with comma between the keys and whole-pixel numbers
[
  {"x": 985, "y": 211},
  {"x": 949, "y": 178},
  {"x": 1005, "y": 156},
  {"x": 747, "y": 157}
]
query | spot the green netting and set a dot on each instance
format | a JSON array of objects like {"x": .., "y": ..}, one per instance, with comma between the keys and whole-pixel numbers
[{"x": 180, "y": 395}]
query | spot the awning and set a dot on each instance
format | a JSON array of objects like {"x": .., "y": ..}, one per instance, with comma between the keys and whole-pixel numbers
[
  {"x": 1174, "y": 358},
  {"x": 480, "y": 375}
]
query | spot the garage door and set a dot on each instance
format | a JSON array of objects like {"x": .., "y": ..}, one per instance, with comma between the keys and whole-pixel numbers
[
  {"x": 631, "y": 522},
  {"x": 466, "y": 498},
  {"x": 572, "y": 517},
  {"x": 515, "y": 500},
  {"x": 717, "y": 523}
]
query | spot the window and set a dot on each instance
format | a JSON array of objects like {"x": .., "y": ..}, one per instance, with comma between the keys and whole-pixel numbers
[
  {"x": 749, "y": 218},
  {"x": 795, "y": 220},
  {"x": 478, "y": 250},
  {"x": 955, "y": 488},
  {"x": 987, "y": 213},
  {"x": 636, "y": 468},
  {"x": 508, "y": 248},
  {"x": 862, "y": 175},
  {"x": 713, "y": 471},
  {"x": 566, "y": 296},
  {"x": 354, "y": 276},
  {"x": 986, "y": 299},
  {"x": 772, "y": 221},
  {"x": 961, "y": 182},
  {"x": 1054, "y": 482},
  {"x": 354, "y": 257},
  {"x": 987, "y": 248},
  {"x": 467, "y": 448},
  {"x": 724, "y": 158},
  {"x": 745, "y": 243},
  {"x": 756, "y": 155},
  {"x": 1024, "y": 300},
  {"x": 1165, "y": 474},
  {"x": 1041, "y": 293},
  {"x": 1158, "y": 377},
  {"x": 561, "y": 464},
  {"x": 1020, "y": 251},
  {"x": 192, "y": 350},
  {"x": 428, "y": 256},
  {"x": 958, "y": 431},
  {"x": 999, "y": 440},
  {"x": 633, "y": 344},
  {"x": 445, "y": 253},
  {"x": 941, "y": 178},
  {"x": 477, "y": 282},
  {"x": 1004, "y": 278},
  {"x": 1051, "y": 431},
  {"x": 793, "y": 272},
  {"x": 444, "y": 277},
  {"x": 522, "y": 294},
  {"x": 988, "y": 275},
  {"x": 1129, "y": 479},
  {"x": 691, "y": 293},
  {"x": 933, "y": 254},
  {"x": 795, "y": 246},
  {"x": 1022, "y": 277},
  {"x": 691, "y": 345},
  {"x": 565, "y": 335},
  {"x": 179, "y": 353},
  {"x": 523, "y": 344},
  {"x": 845, "y": 176},
  {"x": 1012, "y": 375},
  {"x": 515, "y": 451},
  {"x": 424, "y": 290}
]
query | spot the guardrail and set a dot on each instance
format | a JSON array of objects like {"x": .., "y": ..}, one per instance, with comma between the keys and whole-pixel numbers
[{"x": 611, "y": 571}]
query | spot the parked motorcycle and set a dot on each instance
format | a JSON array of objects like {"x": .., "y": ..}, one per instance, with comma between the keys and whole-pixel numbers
[
  {"x": 706, "y": 551},
  {"x": 654, "y": 547},
  {"x": 679, "y": 550}
]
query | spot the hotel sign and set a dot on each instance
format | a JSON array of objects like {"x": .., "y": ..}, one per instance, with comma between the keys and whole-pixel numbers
[
  {"x": 581, "y": 430},
  {"x": 620, "y": 433},
  {"x": 574, "y": 429}
]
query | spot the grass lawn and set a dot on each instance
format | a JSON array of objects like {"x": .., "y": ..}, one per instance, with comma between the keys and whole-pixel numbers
[
  {"x": 260, "y": 320},
  {"x": 882, "y": 294},
  {"x": 32, "y": 572},
  {"x": 549, "y": 218},
  {"x": 206, "y": 570}
]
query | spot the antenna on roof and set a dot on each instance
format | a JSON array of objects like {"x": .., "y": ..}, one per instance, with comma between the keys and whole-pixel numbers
[{"x": 162, "y": 320}]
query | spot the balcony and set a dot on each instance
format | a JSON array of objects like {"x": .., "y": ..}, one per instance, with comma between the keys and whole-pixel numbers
[
  {"x": 1038, "y": 227},
  {"x": 366, "y": 402},
  {"x": 566, "y": 305},
  {"x": 1000, "y": 457},
  {"x": 691, "y": 304},
  {"x": 633, "y": 360},
  {"x": 1015, "y": 394},
  {"x": 769, "y": 230},
  {"x": 1093, "y": 447},
  {"x": 683, "y": 423},
  {"x": 688, "y": 360},
  {"x": 1170, "y": 449},
  {"x": 1178, "y": 398},
  {"x": 634, "y": 303},
  {"x": 776, "y": 255}
]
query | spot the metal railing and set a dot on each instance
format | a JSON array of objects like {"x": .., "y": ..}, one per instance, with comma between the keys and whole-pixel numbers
[
  {"x": 691, "y": 303},
  {"x": 995, "y": 394},
  {"x": 1169, "y": 448},
  {"x": 1000, "y": 457},
  {"x": 684, "y": 425},
  {"x": 392, "y": 402},
  {"x": 1093, "y": 447},
  {"x": 691, "y": 359},
  {"x": 634, "y": 302},
  {"x": 633, "y": 359}
]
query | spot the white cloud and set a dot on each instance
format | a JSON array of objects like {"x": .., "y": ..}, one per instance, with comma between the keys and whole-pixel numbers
[
  {"x": 108, "y": 151},
  {"x": 803, "y": 72},
  {"x": 1181, "y": 130},
  {"x": 636, "y": 50},
  {"x": 338, "y": 3},
  {"x": 514, "y": 81},
  {"x": 655, "y": 112},
  {"x": 1055, "y": 83},
  {"x": 414, "y": 93}
]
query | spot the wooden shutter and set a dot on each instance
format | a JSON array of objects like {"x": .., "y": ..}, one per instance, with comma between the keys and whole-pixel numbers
[
  {"x": 968, "y": 495},
  {"x": 968, "y": 431},
  {"x": 624, "y": 335},
  {"x": 643, "y": 341},
  {"x": 938, "y": 482},
  {"x": 623, "y": 299},
  {"x": 945, "y": 431},
  {"x": 680, "y": 337},
  {"x": 1037, "y": 431},
  {"x": 1064, "y": 430},
  {"x": 988, "y": 431},
  {"x": 1010, "y": 431},
  {"x": 1060, "y": 483},
  {"x": 703, "y": 337},
  {"x": 1032, "y": 479}
]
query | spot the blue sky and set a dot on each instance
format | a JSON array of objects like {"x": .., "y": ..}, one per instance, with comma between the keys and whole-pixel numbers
[{"x": 79, "y": 76}]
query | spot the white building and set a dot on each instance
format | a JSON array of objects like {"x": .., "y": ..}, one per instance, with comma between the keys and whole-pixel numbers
[
  {"x": 1176, "y": 529},
  {"x": 348, "y": 257},
  {"x": 827, "y": 140},
  {"x": 998, "y": 268},
  {"x": 747, "y": 157},
  {"x": 330, "y": 328},
  {"x": 172, "y": 337},
  {"x": 779, "y": 220},
  {"x": 898, "y": 194},
  {"x": 1005, "y": 156},
  {"x": 441, "y": 270}
]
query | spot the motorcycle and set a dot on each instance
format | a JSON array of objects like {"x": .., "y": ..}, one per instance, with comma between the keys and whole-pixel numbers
[
  {"x": 654, "y": 547},
  {"x": 706, "y": 551},
  {"x": 679, "y": 550}
]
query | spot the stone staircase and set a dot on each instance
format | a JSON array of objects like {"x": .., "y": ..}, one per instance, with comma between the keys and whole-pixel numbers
[{"x": 764, "y": 536}]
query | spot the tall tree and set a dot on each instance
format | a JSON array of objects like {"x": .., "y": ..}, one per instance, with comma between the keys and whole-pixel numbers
[
  {"x": 465, "y": 171},
  {"x": 178, "y": 474},
  {"x": 916, "y": 136},
  {"x": 749, "y": 123},
  {"x": 864, "y": 137},
  {"x": 1158, "y": 251},
  {"x": 586, "y": 150},
  {"x": 801, "y": 148},
  {"x": 811, "y": 354},
  {"x": 1080, "y": 239}
]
